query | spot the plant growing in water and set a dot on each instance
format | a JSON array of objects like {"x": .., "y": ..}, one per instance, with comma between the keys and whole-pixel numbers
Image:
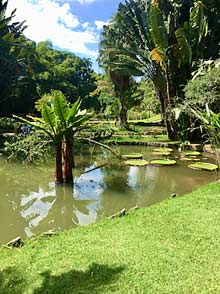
[{"x": 60, "y": 122}]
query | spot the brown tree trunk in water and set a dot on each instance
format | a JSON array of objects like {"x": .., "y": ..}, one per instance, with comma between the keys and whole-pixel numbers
[
  {"x": 58, "y": 165},
  {"x": 68, "y": 161}
]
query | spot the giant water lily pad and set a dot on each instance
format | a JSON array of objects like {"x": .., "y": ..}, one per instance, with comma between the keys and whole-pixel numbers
[
  {"x": 191, "y": 153},
  {"x": 204, "y": 166},
  {"x": 192, "y": 158},
  {"x": 137, "y": 162},
  {"x": 163, "y": 161},
  {"x": 132, "y": 156},
  {"x": 165, "y": 149},
  {"x": 162, "y": 153}
]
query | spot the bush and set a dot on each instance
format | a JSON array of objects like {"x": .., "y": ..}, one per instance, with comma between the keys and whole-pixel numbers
[{"x": 205, "y": 88}]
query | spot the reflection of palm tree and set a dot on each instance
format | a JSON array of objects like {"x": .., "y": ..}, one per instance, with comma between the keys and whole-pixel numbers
[
  {"x": 63, "y": 210},
  {"x": 15, "y": 182}
]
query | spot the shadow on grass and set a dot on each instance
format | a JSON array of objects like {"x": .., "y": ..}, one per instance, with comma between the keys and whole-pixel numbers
[
  {"x": 92, "y": 281},
  {"x": 11, "y": 281}
]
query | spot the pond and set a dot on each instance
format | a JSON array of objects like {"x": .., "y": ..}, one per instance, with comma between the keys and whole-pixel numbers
[{"x": 31, "y": 204}]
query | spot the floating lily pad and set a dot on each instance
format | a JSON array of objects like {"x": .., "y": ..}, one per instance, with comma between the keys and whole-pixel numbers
[
  {"x": 162, "y": 161},
  {"x": 191, "y": 153},
  {"x": 163, "y": 149},
  {"x": 204, "y": 166},
  {"x": 137, "y": 162},
  {"x": 192, "y": 158},
  {"x": 132, "y": 156},
  {"x": 162, "y": 153}
]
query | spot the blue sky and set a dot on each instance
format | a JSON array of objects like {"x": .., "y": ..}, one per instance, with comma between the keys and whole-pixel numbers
[{"x": 72, "y": 25}]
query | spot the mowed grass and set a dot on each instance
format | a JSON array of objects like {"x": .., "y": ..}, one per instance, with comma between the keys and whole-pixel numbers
[
  {"x": 171, "y": 247},
  {"x": 156, "y": 140}
]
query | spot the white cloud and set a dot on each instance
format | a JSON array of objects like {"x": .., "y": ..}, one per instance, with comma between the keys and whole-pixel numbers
[
  {"x": 49, "y": 20},
  {"x": 99, "y": 24},
  {"x": 85, "y": 1},
  {"x": 85, "y": 25}
]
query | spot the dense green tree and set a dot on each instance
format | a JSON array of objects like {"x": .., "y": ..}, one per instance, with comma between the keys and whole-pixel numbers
[
  {"x": 105, "y": 94},
  {"x": 11, "y": 42},
  {"x": 204, "y": 88},
  {"x": 64, "y": 71},
  {"x": 149, "y": 104}
]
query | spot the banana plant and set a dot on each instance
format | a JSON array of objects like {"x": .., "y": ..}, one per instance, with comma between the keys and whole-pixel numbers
[
  {"x": 209, "y": 121},
  {"x": 60, "y": 122}
]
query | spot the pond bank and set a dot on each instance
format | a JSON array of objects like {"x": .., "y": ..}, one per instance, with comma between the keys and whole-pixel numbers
[{"x": 171, "y": 247}]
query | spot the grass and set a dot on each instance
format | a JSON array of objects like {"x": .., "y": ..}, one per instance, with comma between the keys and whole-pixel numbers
[
  {"x": 171, "y": 247},
  {"x": 153, "y": 119},
  {"x": 156, "y": 140}
]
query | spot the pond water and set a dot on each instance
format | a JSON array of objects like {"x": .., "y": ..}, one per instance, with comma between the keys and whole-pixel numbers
[{"x": 31, "y": 204}]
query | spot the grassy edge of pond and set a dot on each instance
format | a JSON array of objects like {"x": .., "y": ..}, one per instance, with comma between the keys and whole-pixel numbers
[{"x": 171, "y": 247}]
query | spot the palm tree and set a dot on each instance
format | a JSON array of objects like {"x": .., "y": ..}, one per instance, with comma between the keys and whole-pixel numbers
[
  {"x": 118, "y": 69},
  {"x": 60, "y": 122},
  {"x": 160, "y": 43}
]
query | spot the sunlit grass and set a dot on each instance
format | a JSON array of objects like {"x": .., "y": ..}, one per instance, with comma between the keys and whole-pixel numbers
[{"x": 171, "y": 247}]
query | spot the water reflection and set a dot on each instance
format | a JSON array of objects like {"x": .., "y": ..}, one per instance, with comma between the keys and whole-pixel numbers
[
  {"x": 30, "y": 203},
  {"x": 58, "y": 209}
]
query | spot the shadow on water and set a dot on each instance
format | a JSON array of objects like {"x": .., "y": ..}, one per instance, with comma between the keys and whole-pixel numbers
[
  {"x": 79, "y": 282},
  {"x": 11, "y": 281}
]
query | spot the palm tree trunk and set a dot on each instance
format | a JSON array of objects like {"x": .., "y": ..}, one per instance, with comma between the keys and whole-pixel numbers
[
  {"x": 68, "y": 161},
  {"x": 169, "y": 124},
  {"x": 58, "y": 165},
  {"x": 123, "y": 118}
]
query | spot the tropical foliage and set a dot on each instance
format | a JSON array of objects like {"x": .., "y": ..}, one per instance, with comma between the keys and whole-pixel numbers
[
  {"x": 11, "y": 39},
  {"x": 27, "y": 70},
  {"x": 162, "y": 40},
  {"x": 60, "y": 122},
  {"x": 209, "y": 122},
  {"x": 204, "y": 88}
]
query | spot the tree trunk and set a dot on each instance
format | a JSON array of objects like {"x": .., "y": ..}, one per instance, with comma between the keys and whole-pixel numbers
[
  {"x": 172, "y": 134},
  {"x": 121, "y": 85},
  {"x": 123, "y": 117},
  {"x": 58, "y": 165},
  {"x": 68, "y": 161}
]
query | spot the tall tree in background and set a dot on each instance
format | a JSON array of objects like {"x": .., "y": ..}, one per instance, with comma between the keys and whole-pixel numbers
[
  {"x": 118, "y": 69},
  {"x": 163, "y": 38},
  {"x": 64, "y": 71},
  {"x": 11, "y": 39}
]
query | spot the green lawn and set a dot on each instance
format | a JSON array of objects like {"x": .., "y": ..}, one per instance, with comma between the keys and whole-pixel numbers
[
  {"x": 153, "y": 119},
  {"x": 141, "y": 140},
  {"x": 171, "y": 247}
]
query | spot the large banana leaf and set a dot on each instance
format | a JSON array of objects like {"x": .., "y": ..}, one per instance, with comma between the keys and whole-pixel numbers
[
  {"x": 185, "y": 52},
  {"x": 198, "y": 26},
  {"x": 73, "y": 111},
  {"x": 158, "y": 29},
  {"x": 49, "y": 117},
  {"x": 36, "y": 125},
  {"x": 158, "y": 56},
  {"x": 61, "y": 108}
]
